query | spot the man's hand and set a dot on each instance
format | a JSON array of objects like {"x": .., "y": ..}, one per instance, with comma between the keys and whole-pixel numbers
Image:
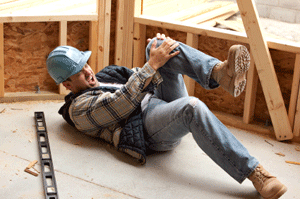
[{"x": 159, "y": 56}]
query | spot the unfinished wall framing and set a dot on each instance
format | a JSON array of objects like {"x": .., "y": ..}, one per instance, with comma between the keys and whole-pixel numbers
[
  {"x": 128, "y": 24},
  {"x": 30, "y": 30},
  {"x": 280, "y": 118}
]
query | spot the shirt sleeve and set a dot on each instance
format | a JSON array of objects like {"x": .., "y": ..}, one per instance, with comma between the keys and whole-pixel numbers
[{"x": 95, "y": 110}]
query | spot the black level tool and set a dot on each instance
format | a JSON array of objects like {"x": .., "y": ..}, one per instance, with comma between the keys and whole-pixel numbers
[{"x": 45, "y": 156}]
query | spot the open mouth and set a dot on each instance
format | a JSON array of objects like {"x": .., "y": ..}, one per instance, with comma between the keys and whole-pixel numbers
[{"x": 90, "y": 79}]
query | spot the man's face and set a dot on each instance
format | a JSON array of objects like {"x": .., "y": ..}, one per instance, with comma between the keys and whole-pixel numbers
[{"x": 83, "y": 80}]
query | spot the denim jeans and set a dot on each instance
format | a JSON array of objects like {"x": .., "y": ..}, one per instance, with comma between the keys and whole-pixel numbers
[{"x": 170, "y": 114}]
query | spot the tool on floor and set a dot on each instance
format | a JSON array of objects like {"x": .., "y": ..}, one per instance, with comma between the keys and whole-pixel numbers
[{"x": 47, "y": 168}]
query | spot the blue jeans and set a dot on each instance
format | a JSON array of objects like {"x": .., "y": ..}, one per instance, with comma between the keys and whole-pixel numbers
[{"x": 170, "y": 114}]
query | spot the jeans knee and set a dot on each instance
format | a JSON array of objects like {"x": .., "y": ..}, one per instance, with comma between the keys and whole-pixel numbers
[{"x": 198, "y": 107}]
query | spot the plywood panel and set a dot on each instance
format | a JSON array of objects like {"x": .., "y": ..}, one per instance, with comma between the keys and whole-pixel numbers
[{"x": 26, "y": 48}]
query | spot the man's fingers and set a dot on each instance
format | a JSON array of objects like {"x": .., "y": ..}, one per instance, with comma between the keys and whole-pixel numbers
[
  {"x": 153, "y": 46},
  {"x": 174, "y": 54}
]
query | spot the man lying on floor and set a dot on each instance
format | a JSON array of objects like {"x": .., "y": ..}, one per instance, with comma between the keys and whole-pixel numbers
[{"x": 149, "y": 108}]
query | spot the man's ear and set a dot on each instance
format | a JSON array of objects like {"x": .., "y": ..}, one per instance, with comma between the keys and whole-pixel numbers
[{"x": 67, "y": 84}]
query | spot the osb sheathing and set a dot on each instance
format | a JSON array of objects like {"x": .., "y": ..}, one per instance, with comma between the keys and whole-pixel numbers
[{"x": 27, "y": 45}]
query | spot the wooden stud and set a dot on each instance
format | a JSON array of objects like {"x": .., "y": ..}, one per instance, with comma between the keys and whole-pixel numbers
[
  {"x": 124, "y": 33},
  {"x": 46, "y": 18},
  {"x": 104, "y": 16},
  {"x": 191, "y": 40},
  {"x": 139, "y": 43},
  {"x": 120, "y": 32},
  {"x": 63, "y": 42},
  {"x": 128, "y": 53},
  {"x": 1, "y": 60},
  {"x": 297, "y": 116},
  {"x": 251, "y": 88},
  {"x": 139, "y": 38},
  {"x": 294, "y": 90},
  {"x": 266, "y": 71},
  {"x": 93, "y": 45}
]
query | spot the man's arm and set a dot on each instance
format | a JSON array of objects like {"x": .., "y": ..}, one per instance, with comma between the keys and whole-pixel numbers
[{"x": 94, "y": 110}]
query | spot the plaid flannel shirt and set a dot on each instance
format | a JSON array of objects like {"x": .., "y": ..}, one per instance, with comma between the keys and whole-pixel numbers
[{"x": 98, "y": 113}]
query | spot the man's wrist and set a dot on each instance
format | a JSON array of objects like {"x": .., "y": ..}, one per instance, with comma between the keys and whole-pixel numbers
[{"x": 150, "y": 63}]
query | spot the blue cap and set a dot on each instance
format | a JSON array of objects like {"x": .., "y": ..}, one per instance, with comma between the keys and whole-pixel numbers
[{"x": 65, "y": 61}]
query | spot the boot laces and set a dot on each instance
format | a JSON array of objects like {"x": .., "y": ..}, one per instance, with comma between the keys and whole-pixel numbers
[{"x": 262, "y": 175}]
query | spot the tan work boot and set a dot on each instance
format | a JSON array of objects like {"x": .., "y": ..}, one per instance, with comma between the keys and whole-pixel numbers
[
  {"x": 231, "y": 74},
  {"x": 267, "y": 185}
]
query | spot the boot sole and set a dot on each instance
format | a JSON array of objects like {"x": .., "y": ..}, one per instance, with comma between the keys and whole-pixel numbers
[
  {"x": 238, "y": 70},
  {"x": 279, "y": 193}
]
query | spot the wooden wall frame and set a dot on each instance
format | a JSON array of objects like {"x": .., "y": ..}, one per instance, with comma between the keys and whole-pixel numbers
[
  {"x": 131, "y": 40},
  {"x": 98, "y": 39},
  {"x": 262, "y": 67}
]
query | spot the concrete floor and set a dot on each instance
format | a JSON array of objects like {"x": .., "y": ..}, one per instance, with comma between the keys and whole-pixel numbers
[{"x": 87, "y": 168}]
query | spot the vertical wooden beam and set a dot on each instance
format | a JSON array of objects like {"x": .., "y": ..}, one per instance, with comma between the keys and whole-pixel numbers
[
  {"x": 104, "y": 16},
  {"x": 124, "y": 33},
  {"x": 93, "y": 36},
  {"x": 120, "y": 32},
  {"x": 139, "y": 38},
  {"x": 1, "y": 60},
  {"x": 294, "y": 90},
  {"x": 251, "y": 88},
  {"x": 297, "y": 117},
  {"x": 128, "y": 53},
  {"x": 139, "y": 43},
  {"x": 191, "y": 40},
  {"x": 266, "y": 71},
  {"x": 62, "y": 42}
]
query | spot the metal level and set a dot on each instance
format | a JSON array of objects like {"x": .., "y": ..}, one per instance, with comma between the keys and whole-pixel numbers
[{"x": 47, "y": 171}]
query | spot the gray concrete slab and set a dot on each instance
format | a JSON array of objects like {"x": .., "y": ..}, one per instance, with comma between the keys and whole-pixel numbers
[{"x": 89, "y": 168}]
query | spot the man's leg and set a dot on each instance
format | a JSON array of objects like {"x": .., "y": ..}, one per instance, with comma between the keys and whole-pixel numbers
[
  {"x": 208, "y": 71},
  {"x": 166, "y": 123}
]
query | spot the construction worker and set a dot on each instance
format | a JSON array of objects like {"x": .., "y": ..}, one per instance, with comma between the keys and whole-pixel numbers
[{"x": 148, "y": 109}]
